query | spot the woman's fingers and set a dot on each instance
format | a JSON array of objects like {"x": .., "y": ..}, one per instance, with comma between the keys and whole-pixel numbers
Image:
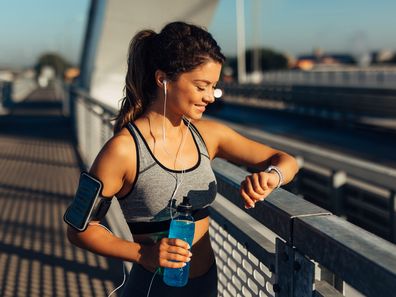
[
  {"x": 167, "y": 252},
  {"x": 176, "y": 242},
  {"x": 248, "y": 201},
  {"x": 263, "y": 178},
  {"x": 259, "y": 183},
  {"x": 174, "y": 257},
  {"x": 172, "y": 264},
  {"x": 254, "y": 188},
  {"x": 176, "y": 250},
  {"x": 174, "y": 253}
]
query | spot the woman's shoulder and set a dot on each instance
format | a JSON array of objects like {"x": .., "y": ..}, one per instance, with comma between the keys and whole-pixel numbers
[
  {"x": 114, "y": 163},
  {"x": 212, "y": 133},
  {"x": 120, "y": 139},
  {"x": 210, "y": 127},
  {"x": 118, "y": 148}
]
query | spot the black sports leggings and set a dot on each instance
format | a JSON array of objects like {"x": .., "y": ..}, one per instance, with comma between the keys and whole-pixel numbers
[{"x": 139, "y": 281}]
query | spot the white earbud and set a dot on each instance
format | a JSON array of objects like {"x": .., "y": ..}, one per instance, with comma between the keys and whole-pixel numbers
[{"x": 165, "y": 83}]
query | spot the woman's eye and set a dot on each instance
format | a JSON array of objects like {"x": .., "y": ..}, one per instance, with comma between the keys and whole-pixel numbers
[{"x": 200, "y": 88}]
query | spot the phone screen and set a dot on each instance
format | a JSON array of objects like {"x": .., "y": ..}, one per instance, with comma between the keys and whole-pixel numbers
[{"x": 79, "y": 211}]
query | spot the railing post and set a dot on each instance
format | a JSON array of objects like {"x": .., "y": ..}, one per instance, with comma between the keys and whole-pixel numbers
[
  {"x": 283, "y": 269},
  {"x": 65, "y": 94},
  {"x": 303, "y": 275},
  {"x": 392, "y": 217},
  {"x": 295, "y": 273},
  {"x": 6, "y": 94},
  {"x": 1, "y": 95},
  {"x": 338, "y": 180},
  {"x": 72, "y": 109}
]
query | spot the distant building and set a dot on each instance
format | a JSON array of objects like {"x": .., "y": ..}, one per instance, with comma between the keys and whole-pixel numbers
[
  {"x": 383, "y": 56},
  {"x": 71, "y": 74},
  {"x": 308, "y": 62}
]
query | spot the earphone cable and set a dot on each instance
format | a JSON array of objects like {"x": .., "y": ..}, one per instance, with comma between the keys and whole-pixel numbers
[
  {"x": 123, "y": 266},
  {"x": 151, "y": 282}
]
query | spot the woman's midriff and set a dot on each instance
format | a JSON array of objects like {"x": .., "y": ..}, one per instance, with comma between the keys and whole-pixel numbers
[{"x": 202, "y": 253}]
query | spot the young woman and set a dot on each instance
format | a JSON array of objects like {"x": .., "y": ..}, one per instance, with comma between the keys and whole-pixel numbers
[{"x": 161, "y": 151}]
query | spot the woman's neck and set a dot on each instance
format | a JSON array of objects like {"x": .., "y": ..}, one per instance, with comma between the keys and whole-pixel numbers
[
  {"x": 171, "y": 125},
  {"x": 158, "y": 117}
]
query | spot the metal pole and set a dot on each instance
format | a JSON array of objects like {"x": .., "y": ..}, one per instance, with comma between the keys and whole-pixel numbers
[
  {"x": 256, "y": 59},
  {"x": 241, "y": 48}
]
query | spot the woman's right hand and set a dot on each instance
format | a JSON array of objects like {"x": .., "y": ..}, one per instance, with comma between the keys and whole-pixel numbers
[{"x": 167, "y": 252}]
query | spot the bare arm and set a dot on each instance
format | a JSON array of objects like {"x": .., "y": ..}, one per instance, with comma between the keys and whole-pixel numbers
[
  {"x": 226, "y": 143},
  {"x": 115, "y": 166},
  {"x": 98, "y": 240}
]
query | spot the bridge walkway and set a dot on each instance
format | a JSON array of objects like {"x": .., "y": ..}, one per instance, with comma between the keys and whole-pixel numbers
[{"x": 38, "y": 176}]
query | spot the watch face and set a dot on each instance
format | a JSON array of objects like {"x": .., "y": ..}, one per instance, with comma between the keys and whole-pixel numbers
[{"x": 80, "y": 209}]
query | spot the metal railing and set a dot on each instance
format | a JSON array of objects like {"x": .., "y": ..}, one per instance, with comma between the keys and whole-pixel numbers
[
  {"x": 373, "y": 77},
  {"x": 270, "y": 250},
  {"x": 359, "y": 190},
  {"x": 326, "y": 101},
  {"x": 15, "y": 91},
  {"x": 5, "y": 94}
]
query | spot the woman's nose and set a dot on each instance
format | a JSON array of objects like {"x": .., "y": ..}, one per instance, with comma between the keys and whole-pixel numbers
[{"x": 209, "y": 96}]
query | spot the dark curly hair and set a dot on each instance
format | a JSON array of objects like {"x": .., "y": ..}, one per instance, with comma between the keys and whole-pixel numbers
[{"x": 178, "y": 48}]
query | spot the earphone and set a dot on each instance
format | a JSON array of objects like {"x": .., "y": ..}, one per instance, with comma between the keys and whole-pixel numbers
[
  {"x": 165, "y": 82},
  {"x": 178, "y": 182}
]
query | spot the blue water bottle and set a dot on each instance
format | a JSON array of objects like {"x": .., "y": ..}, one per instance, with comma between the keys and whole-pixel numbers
[{"x": 182, "y": 227}]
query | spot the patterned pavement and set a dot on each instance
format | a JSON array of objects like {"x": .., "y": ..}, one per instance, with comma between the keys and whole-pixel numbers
[{"x": 39, "y": 169}]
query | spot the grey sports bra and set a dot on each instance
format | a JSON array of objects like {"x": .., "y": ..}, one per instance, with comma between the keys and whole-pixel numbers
[{"x": 146, "y": 207}]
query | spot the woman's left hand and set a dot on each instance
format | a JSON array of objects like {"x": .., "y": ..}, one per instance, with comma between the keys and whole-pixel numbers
[{"x": 257, "y": 186}]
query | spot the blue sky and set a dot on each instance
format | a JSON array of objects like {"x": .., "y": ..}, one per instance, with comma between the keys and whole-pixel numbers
[
  {"x": 29, "y": 27},
  {"x": 290, "y": 26},
  {"x": 298, "y": 26}
]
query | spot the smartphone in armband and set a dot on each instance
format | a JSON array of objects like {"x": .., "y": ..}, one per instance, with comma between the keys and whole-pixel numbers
[{"x": 79, "y": 212}]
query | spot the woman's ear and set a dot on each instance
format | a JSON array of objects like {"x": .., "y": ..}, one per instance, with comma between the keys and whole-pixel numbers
[{"x": 160, "y": 79}]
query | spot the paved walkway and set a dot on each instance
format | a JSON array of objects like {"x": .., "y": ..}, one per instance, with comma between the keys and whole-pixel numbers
[{"x": 39, "y": 170}]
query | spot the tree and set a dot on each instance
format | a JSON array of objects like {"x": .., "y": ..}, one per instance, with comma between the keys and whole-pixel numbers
[
  {"x": 268, "y": 60},
  {"x": 55, "y": 60}
]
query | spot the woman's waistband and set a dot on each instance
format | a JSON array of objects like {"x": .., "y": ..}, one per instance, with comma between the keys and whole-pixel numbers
[{"x": 161, "y": 226}]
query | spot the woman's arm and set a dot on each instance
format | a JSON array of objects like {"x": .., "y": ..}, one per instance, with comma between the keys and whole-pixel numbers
[
  {"x": 115, "y": 167},
  {"x": 226, "y": 143},
  {"x": 163, "y": 253}
]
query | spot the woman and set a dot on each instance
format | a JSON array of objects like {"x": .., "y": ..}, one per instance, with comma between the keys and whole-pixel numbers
[{"x": 161, "y": 151}]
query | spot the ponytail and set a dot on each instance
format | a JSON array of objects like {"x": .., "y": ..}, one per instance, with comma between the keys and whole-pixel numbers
[{"x": 138, "y": 87}]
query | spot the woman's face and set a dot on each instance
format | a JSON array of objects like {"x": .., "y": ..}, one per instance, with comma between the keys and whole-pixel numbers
[{"x": 193, "y": 91}]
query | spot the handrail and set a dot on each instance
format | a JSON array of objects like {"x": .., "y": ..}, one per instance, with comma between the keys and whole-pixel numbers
[
  {"x": 344, "y": 248},
  {"x": 106, "y": 108},
  {"x": 370, "y": 172},
  {"x": 360, "y": 258},
  {"x": 373, "y": 77},
  {"x": 348, "y": 101}
]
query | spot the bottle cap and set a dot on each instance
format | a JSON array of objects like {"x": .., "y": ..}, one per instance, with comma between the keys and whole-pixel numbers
[{"x": 185, "y": 206}]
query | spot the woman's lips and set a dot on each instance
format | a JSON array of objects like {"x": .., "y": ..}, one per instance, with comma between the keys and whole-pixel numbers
[{"x": 201, "y": 108}]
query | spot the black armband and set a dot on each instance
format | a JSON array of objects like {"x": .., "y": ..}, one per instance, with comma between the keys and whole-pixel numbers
[
  {"x": 88, "y": 204},
  {"x": 100, "y": 209}
]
